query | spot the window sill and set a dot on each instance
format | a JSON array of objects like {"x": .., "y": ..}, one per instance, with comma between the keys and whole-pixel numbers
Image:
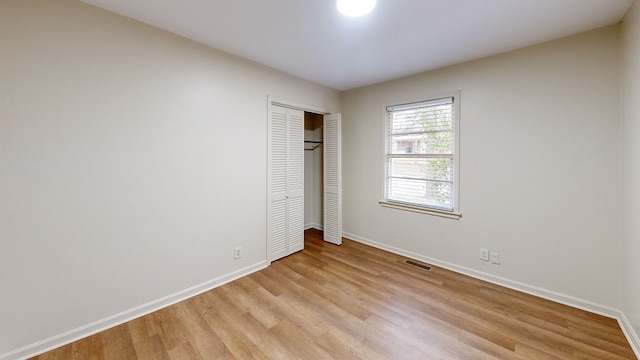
[{"x": 418, "y": 209}]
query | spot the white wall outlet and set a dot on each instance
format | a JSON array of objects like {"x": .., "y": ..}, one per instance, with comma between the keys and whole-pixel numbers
[
  {"x": 237, "y": 252},
  {"x": 484, "y": 254},
  {"x": 495, "y": 258}
]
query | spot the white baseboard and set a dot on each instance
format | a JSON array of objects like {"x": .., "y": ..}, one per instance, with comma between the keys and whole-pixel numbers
[
  {"x": 127, "y": 315},
  {"x": 313, "y": 226},
  {"x": 629, "y": 333},
  {"x": 515, "y": 285}
]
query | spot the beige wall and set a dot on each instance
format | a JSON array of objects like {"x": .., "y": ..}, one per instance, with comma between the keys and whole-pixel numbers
[
  {"x": 540, "y": 172},
  {"x": 132, "y": 162},
  {"x": 630, "y": 95}
]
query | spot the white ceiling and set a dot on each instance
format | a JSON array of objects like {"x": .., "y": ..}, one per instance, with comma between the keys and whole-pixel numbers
[{"x": 310, "y": 39}]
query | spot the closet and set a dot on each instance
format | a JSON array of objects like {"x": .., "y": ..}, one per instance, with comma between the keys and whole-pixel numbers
[
  {"x": 313, "y": 170},
  {"x": 304, "y": 178}
]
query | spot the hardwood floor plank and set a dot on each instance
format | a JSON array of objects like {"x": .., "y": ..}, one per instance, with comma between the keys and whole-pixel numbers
[
  {"x": 297, "y": 342},
  {"x": 89, "y": 348},
  {"x": 152, "y": 348},
  {"x": 357, "y": 302},
  {"x": 200, "y": 334},
  {"x": 526, "y": 351},
  {"x": 271, "y": 285},
  {"x": 184, "y": 351},
  {"x": 171, "y": 331},
  {"x": 117, "y": 343},
  {"x": 263, "y": 338},
  {"x": 267, "y": 314},
  {"x": 222, "y": 300},
  {"x": 488, "y": 347},
  {"x": 401, "y": 343},
  {"x": 347, "y": 345},
  {"x": 233, "y": 336}
]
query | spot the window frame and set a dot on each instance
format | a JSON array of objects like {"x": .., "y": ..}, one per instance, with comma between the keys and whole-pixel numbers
[{"x": 455, "y": 213}]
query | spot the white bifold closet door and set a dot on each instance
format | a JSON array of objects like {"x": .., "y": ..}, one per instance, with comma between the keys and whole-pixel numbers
[
  {"x": 285, "y": 225},
  {"x": 332, "y": 140}
]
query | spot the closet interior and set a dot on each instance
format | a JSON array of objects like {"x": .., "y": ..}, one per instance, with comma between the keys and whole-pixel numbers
[{"x": 313, "y": 168}]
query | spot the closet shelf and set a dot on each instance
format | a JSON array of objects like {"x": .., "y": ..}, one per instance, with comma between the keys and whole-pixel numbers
[{"x": 312, "y": 144}]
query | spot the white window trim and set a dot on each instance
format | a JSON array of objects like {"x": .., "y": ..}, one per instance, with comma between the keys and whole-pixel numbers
[{"x": 456, "y": 213}]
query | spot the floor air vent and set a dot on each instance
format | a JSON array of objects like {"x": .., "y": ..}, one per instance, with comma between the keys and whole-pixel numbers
[{"x": 417, "y": 264}]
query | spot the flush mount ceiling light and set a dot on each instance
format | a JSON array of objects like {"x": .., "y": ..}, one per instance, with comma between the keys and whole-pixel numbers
[{"x": 355, "y": 8}]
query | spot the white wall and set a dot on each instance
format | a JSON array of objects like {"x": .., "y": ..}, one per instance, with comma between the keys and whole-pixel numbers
[
  {"x": 132, "y": 162},
  {"x": 540, "y": 174},
  {"x": 630, "y": 95}
]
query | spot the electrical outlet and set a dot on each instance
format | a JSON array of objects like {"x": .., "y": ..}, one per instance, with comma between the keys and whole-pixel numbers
[
  {"x": 237, "y": 252},
  {"x": 484, "y": 254},
  {"x": 495, "y": 258}
]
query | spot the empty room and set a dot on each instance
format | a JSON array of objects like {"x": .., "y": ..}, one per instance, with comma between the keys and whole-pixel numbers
[{"x": 208, "y": 179}]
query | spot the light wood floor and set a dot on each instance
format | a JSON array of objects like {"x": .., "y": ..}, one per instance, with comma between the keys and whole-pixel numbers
[{"x": 357, "y": 302}]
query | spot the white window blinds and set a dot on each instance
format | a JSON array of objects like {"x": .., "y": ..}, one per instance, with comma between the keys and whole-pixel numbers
[{"x": 421, "y": 156}]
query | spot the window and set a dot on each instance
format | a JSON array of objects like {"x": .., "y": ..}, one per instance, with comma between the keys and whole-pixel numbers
[{"x": 421, "y": 157}]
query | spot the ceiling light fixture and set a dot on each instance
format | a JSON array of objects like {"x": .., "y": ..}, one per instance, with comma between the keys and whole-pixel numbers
[{"x": 355, "y": 8}]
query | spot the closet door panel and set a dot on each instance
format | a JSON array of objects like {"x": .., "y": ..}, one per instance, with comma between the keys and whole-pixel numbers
[
  {"x": 277, "y": 205},
  {"x": 285, "y": 223},
  {"x": 332, "y": 226},
  {"x": 295, "y": 184}
]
